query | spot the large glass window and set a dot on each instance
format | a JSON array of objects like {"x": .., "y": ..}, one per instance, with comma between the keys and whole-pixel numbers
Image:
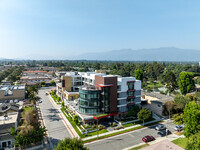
[
  {"x": 130, "y": 85},
  {"x": 131, "y": 93},
  {"x": 130, "y": 100}
]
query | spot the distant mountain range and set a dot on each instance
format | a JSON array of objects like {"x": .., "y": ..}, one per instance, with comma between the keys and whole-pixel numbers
[{"x": 153, "y": 54}]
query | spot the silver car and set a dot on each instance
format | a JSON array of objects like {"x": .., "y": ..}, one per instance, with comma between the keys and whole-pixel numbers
[{"x": 160, "y": 127}]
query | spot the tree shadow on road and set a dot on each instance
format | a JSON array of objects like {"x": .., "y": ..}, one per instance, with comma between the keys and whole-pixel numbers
[
  {"x": 53, "y": 117},
  {"x": 51, "y": 110}
]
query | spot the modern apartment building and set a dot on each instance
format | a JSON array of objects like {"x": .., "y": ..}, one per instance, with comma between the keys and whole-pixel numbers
[{"x": 99, "y": 93}]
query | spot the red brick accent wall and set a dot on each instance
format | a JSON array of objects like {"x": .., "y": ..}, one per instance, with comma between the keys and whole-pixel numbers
[{"x": 113, "y": 89}]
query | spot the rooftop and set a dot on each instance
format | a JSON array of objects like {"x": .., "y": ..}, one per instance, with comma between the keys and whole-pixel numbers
[
  {"x": 12, "y": 118},
  {"x": 12, "y": 87},
  {"x": 155, "y": 96}
]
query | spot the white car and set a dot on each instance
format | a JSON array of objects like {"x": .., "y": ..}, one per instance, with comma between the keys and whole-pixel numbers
[
  {"x": 179, "y": 128},
  {"x": 16, "y": 100}
]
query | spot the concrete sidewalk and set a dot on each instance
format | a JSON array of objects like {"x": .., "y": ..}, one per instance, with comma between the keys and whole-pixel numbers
[{"x": 169, "y": 137}]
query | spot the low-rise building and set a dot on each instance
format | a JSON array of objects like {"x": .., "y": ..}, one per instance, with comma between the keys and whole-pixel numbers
[
  {"x": 156, "y": 101},
  {"x": 9, "y": 117},
  {"x": 12, "y": 92}
]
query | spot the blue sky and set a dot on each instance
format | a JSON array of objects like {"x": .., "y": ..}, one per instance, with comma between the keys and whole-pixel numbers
[{"x": 61, "y": 28}]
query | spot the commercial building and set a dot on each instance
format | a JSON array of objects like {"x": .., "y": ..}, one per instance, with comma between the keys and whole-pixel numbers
[
  {"x": 12, "y": 92},
  {"x": 101, "y": 94},
  {"x": 35, "y": 77}
]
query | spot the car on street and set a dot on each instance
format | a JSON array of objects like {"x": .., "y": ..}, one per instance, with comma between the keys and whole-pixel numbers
[
  {"x": 160, "y": 127},
  {"x": 148, "y": 138},
  {"x": 179, "y": 128},
  {"x": 47, "y": 93},
  {"x": 164, "y": 132}
]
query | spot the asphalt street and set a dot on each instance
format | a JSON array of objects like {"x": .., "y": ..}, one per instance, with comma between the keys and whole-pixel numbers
[
  {"x": 55, "y": 126},
  {"x": 126, "y": 140}
]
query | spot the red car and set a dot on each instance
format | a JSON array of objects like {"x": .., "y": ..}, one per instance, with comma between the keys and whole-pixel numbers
[{"x": 148, "y": 138}]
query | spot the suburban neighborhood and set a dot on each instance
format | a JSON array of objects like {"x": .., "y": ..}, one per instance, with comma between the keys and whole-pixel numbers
[
  {"x": 103, "y": 110},
  {"x": 99, "y": 75}
]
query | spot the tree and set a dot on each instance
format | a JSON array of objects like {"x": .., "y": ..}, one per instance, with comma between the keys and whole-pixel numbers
[
  {"x": 186, "y": 83},
  {"x": 178, "y": 119},
  {"x": 76, "y": 119},
  {"x": 130, "y": 113},
  {"x": 171, "y": 83},
  {"x": 169, "y": 106},
  {"x": 42, "y": 83},
  {"x": 53, "y": 83},
  {"x": 136, "y": 109},
  {"x": 144, "y": 114},
  {"x": 191, "y": 118},
  {"x": 180, "y": 102},
  {"x": 193, "y": 142},
  {"x": 71, "y": 144},
  {"x": 139, "y": 74},
  {"x": 62, "y": 104}
]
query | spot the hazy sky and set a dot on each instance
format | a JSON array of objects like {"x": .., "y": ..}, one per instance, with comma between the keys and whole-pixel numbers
[{"x": 70, "y": 27}]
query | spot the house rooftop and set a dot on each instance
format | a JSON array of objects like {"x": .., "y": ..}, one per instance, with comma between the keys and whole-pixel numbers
[{"x": 11, "y": 118}]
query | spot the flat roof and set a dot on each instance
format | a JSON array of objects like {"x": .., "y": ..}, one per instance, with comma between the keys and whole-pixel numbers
[
  {"x": 12, "y": 118},
  {"x": 12, "y": 87}
]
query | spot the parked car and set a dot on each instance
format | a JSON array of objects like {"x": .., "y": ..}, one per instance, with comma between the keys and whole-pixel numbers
[
  {"x": 40, "y": 101},
  {"x": 160, "y": 127},
  {"x": 148, "y": 138},
  {"x": 164, "y": 132},
  {"x": 11, "y": 101},
  {"x": 47, "y": 93},
  {"x": 179, "y": 128},
  {"x": 16, "y": 100}
]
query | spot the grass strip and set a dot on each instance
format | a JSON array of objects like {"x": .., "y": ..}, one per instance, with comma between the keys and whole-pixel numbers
[
  {"x": 73, "y": 124},
  {"x": 180, "y": 142}
]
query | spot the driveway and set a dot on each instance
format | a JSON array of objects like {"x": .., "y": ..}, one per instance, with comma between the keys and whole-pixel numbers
[{"x": 56, "y": 128}]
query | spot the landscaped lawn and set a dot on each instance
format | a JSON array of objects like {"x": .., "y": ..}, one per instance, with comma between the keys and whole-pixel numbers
[
  {"x": 129, "y": 124},
  {"x": 95, "y": 133},
  {"x": 137, "y": 122},
  {"x": 154, "y": 85},
  {"x": 28, "y": 108},
  {"x": 180, "y": 142},
  {"x": 139, "y": 147}
]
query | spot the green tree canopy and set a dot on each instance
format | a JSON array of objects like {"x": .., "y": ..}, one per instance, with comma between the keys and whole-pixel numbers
[
  {"x": 186, "y": 82},
  {"x": 139, "y": 74},
  {"x": 191, "y": 118},
  {"x": 178, "y": 119},
  {"x": 193, "y": 142},
  {"x": 171, "y": 83},
  {"x": 144, "y": 114},
  {"x": 71, "y": 144},
  {"x": 180, "y": 102}
]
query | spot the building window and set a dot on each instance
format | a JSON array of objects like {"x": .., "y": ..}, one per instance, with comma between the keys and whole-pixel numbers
[
  {"x": 130, "y": 93},
  {"x": 130, "y": 85}
]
